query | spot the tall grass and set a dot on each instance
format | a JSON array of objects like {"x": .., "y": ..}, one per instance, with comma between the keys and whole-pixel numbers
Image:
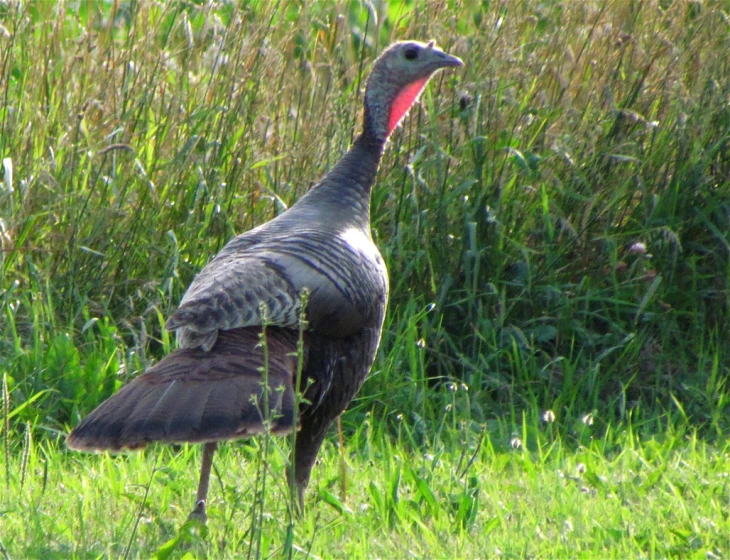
[
  {"x": 561, "y": 204},
  {"x": 554, "y": 216}
]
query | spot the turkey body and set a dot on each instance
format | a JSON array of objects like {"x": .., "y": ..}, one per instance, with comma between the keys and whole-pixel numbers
[
  {"x": 239, "y": 324},
  {"x": 203, "y": 391}
]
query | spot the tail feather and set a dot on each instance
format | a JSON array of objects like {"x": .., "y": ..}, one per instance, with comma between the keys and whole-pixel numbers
[{"x": 197, "y": 396}]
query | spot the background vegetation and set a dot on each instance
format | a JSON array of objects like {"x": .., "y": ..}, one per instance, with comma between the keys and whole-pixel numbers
[{"x": 553, "y": 376}]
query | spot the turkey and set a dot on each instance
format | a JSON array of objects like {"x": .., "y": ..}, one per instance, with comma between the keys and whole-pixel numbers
[{"x": 222, "y": 382}]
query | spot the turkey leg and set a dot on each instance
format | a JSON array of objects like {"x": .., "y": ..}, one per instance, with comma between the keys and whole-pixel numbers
[{"x": 201, "y": 499}]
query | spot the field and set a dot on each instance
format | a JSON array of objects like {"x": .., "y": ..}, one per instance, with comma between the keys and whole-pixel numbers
[{"x": 553, "y": 376}]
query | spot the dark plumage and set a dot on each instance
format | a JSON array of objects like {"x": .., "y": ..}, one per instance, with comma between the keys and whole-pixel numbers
[
  {"x": 212, "y": 388},
  {"x": 198, "y": 396}
]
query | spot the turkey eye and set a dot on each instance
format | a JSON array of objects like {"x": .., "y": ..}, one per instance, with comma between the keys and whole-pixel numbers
[{"x": 411, "y": 53}]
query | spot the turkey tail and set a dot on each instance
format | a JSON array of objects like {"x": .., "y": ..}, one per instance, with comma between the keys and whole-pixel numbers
[{"x": 197, "y": 396}]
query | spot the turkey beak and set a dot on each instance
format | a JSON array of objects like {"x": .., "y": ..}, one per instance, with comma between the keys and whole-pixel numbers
[
  {"x": 442, "y": 59},
  {"x": 450, "y": 60}
]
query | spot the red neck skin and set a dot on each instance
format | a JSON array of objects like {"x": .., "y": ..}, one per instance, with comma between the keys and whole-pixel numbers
[{"x": 403, "y": 102}]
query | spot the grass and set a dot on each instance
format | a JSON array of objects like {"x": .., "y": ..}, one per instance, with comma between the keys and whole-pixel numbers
[
  {"x": 554, "y": 218},
  {"x": 616, "y": 496}
]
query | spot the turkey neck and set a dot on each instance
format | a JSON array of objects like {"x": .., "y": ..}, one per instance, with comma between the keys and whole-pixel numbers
[{"x": 344, "y": 193}]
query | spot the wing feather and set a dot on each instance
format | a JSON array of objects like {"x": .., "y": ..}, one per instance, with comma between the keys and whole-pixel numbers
[{"x": 194, "y": 396}]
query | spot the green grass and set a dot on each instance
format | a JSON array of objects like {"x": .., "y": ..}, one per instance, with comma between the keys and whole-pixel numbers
[
  {"x": 555, "y": 221},
  {"x": 618, "y": 496}
]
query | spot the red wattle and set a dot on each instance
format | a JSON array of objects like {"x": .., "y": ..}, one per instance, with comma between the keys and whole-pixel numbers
[{"x": 403, "y": 101}]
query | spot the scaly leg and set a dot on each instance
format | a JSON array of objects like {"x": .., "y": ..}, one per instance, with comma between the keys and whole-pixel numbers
[{"x": 199, "y": 512}]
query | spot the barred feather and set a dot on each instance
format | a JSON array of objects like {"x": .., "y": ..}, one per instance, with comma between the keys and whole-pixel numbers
[{"x": 196, "y": 396}]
